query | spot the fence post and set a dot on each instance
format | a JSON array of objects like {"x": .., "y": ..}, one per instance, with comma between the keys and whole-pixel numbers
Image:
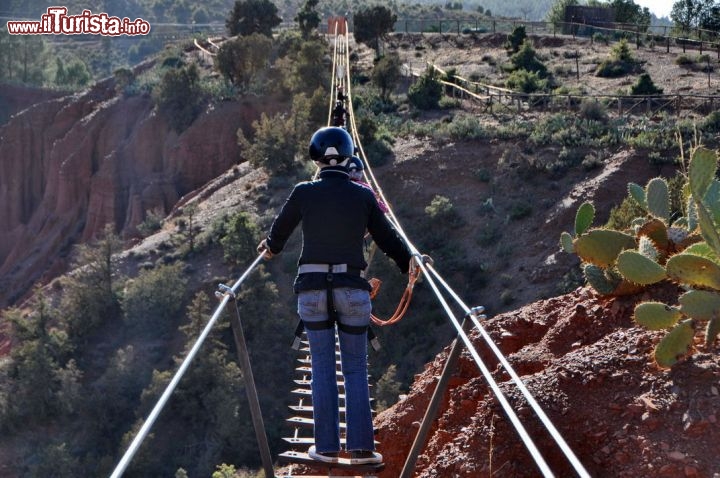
[
  {"x": 494, "y": 26},
  {"x": 440, "y": 27},
  {"x": 637, "y": 39},
  {"x": 667, "y": 49},
  {"x": 577, "y": 65}
]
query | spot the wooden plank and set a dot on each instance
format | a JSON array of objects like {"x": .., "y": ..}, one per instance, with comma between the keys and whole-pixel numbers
[
  {"x": 308, "y": 422},
  {"x": 311, "y": 441},
  {"x": 342, "y": 464}
]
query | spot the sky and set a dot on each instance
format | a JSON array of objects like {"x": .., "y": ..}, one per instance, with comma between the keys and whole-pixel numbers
[{"x": 661, "y": 8}]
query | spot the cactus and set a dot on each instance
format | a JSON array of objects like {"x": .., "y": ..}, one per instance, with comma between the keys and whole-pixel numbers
[
  {"x": 701, "y": 171},
  {"x": 584, "y": 218},
  {"x": 712, "y": 200},
  {"x": 638, "y": 194},
  {"x": 656, "y": 315},
  {"x": 647, "y": 248},
  {"x": 658, "y": 199},
  {"x": 700, "y": 304},
  {"x": 598, "y": 280},
  {"x": 602, "y": 246},
  {"x": 692, "y": 215},
  {"x": 708, "y": 229},
  {"x": 639, "y": 269},
  {"x": 694, "y": 271},
  {"x": 566, "y": 242},
  {"x": 711, "y": 331},
  {"x": 703, "y": 250},
  {"x": 675, "y": 344},
  {"x": 686, "y": 251}
]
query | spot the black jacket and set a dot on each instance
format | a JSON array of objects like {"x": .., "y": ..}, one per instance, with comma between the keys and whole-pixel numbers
[{"x": 335, "y": 214}]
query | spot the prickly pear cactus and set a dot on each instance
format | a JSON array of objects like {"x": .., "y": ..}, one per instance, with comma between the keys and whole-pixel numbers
[
  {"x": 656, "y": 315},
  {"x": 686, "y": 251},
  {"x": 602, "y": 246},
  {"x": 639, "y": 269},
  {"x": 675, "y": 344}
]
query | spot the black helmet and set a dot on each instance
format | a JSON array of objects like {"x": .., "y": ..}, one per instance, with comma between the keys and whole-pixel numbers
[
  {"x": 331, "y": 143},
  {"x": 355, "y": 164}
]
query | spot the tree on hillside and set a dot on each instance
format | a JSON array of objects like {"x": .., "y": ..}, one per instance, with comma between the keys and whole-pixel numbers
[
  {"x": 241, "y": 59},
  {"x": 426, "y": 92},
  {"x": 252, "y": 16},
  {"x": 90, "y": 297},
  {"x": 372, "y": 24},
  {"x": 627, "y": 11},
  {"x": 515, "y": 39},
  {"x": 386, "y": 75},
  {"x": 179, "y": 96},
  {"x": 308, "y": 18},
  {"x": 688, "y": 14},
  {"x": 556, "y": 14},
  {"x": 711, "y": 21}
]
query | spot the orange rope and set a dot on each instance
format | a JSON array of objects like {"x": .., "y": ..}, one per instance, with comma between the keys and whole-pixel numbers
[{"x": 413, "y": 276}]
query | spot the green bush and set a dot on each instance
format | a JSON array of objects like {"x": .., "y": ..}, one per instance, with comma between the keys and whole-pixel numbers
[
  {"x": 526, "y": 59},
  {"x": 239, "y": 238},
  {"x": 526, "y": 81},
  {"x": 153, "y": 299},
  {"x": 179, "y": 96},
  {"x": 426, "y": 92},
  {"x": 619, "y": 63},
  {"x": 645, "y": 86},
  {"x": 442, "y": 210},
  {"x": 515, "y": 39}
]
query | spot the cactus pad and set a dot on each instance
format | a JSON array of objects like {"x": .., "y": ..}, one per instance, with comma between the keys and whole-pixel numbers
[
  {"x": 701, "y": 171},
  {"x": 566, "y": 242},
  {"x": 656, "y": 315},
  {"x": 657, "y": 231},
  {"x": 598, "y": 280},
  {"x": 707, "y": 227},
  {"x": 675, "y": 344},
  {"x": 712, "y": 200},
  {"x": 658, "y": 199},
  {"x": 639, "y": 269},
  {"x": 711, "y": 331},
  {"x": 703, "y": 250},
  {"x": 693, "y": 270},
  {"x": 584, "y": 218},
  {"x": 602, "y": 246},
  {"x": 700, "y": 304},
  {"x": 647, "y": 248},
  {"x": 638, "y": 194},
  {"x": 692, "y": 215}
]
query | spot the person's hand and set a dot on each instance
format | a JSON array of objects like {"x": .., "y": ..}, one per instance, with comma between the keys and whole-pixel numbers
[
  {"x": 264, "y": 249},
  {"x": 424, "y": 258}
]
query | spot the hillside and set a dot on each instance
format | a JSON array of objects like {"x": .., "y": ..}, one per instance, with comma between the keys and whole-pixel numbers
[{"x": 511, "y": 194}]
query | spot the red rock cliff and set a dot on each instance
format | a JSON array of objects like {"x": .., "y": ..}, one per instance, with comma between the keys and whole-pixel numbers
[{"x": 70, "y": 165}]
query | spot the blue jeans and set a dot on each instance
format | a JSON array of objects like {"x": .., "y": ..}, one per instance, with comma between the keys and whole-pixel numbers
[{"x": 353, "y": 307}]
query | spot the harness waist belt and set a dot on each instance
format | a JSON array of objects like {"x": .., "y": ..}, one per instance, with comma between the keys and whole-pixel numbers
[
  {"x": 337, "y": 268},
  {"x": 329, "y": 268}
]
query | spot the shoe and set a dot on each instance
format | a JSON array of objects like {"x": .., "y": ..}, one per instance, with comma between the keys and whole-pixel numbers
[
  {"x": 324, "y": 456},
  {"x": 364, "y": 457}
]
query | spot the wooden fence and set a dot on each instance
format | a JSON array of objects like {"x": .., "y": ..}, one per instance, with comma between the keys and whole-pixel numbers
[{"x": 490, "y": 98}]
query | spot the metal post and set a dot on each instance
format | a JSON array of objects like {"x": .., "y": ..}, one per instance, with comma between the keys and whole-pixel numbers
[
  {"x": 244, "y": 359},
  {"x": 434, "y": 404}
]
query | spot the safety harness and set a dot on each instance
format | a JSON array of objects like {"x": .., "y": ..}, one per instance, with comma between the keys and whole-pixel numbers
[{"x": 330, "y": 270}]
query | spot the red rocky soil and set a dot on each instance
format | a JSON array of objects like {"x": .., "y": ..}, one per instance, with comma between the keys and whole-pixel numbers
[{"x": 590, "y": 369}]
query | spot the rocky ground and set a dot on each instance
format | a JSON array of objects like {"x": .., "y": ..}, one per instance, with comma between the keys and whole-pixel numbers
[{"x": 591, "y": 371}]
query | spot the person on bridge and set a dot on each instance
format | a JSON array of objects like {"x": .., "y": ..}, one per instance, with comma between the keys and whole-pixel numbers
[
  {"x": 338, "y": 114},
  {"x": 335, "y": 214},
  {"x": 356, "y": 168}
]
